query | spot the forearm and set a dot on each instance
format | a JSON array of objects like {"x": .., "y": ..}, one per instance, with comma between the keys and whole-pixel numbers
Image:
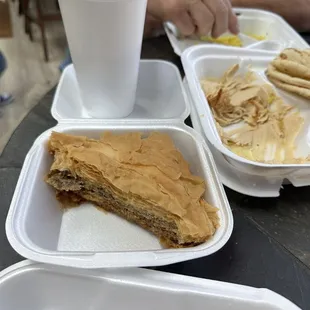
[{"x": 296, "y": 12}]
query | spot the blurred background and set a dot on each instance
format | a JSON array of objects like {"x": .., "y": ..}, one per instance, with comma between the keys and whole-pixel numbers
[{"x": 32, "y": 39}]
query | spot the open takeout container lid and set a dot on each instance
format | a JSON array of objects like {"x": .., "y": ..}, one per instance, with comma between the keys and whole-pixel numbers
[
  {"x": 160, "y": 96},
  {"x": 33, "y": 286}
]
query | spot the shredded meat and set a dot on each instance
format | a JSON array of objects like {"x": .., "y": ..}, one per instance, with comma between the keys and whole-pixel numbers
[{"x": 266, "y": 127}]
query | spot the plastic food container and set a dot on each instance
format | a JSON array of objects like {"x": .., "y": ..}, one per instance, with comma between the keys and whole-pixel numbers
[
  {"x": 212, "y": 61},
  {"x": 33, "y": 286},
  {"x": 241, "y": 182},
  {"x": 86, "y": 237},
  {"x": 277, "y": 32}
]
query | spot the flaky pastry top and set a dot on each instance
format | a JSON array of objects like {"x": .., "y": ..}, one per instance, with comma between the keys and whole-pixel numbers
[{"x": 149, "y": 168}]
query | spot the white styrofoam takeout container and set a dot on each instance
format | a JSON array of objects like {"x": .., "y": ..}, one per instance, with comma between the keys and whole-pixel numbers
[
  {"x": 85, "y": 237},
  {"x": 34, "y": 286},
  {"x": 212, "y": 61},
  {"x": 279, "y": 34},
  {"x": 230, "y": 176}
]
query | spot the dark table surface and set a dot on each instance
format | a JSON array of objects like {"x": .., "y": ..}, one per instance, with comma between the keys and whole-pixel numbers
[{"x": 270, "y": 243}]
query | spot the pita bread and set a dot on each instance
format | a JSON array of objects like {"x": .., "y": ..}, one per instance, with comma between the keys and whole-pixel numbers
[
  {"x": 292, "y": 68},
  {"x": 294, "y": 62},
  {"x": 285, "y": 78},
  {"x": 300, "y": 56},
  {"x": 303, "y": 92}
]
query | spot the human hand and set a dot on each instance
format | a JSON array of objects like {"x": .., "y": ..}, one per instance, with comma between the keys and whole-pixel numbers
[
  {"x": 201, "y": 17},
  {"x": 152, "y": 26}
]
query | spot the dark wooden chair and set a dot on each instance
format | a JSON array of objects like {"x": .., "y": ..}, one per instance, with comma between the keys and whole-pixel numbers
[{"x": 40, "y": 19}]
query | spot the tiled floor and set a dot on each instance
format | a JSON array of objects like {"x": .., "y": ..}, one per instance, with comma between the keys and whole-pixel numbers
[{"x": 28, "y": 77}]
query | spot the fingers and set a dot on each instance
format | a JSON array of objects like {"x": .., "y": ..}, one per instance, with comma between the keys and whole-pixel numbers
[
  {"x": 224, "y": 17},
  {"x": 183, "y": 22},
  {"x": 233, "y": 24},
  {"x": 152, "y": 24},
  {"x": 175, "y": 12},
  {"x": 220, "y": 12},
  {"x": 202, "y": 17}
]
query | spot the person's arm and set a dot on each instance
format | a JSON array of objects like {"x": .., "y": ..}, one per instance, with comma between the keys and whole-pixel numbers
[{"x": 296, "y": 12}]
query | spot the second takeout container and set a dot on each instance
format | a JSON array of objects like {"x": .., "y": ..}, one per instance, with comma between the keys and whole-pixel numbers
[
  {"x": 230, "y": 176},
  {"x": 205, "y": 61},
  {"x": 86, "y": 237}
]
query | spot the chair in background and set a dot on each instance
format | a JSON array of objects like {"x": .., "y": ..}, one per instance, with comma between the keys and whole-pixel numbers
[{"x": 40, "y": 19}]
